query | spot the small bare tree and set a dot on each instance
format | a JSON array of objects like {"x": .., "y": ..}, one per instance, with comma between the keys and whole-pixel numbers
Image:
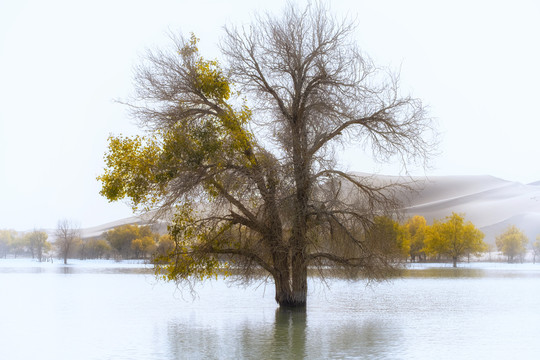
[
  {"x": 260, "y": 187},
  {"x": 67, "y": 236}
]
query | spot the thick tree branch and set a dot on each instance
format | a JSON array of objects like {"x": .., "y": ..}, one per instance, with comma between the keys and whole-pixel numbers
[{"x": 248, "y": 255}]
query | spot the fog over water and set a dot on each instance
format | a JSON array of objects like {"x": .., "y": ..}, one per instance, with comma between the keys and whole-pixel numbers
[{"x": 107, "y": 310}]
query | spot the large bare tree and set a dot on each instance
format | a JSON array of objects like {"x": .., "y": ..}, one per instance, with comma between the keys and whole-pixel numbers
[{"x": 259, "y": 187}]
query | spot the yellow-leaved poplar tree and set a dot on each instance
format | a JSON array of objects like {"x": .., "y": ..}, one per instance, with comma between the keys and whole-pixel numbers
[
  {"x": 257, "y": 188},
  {"x": 454, "y": 238},
  {"x": 417, "y": 230},
  {"x": 512, "y": 243}
]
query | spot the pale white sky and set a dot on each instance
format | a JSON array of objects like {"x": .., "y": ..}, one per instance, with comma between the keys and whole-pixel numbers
[{"x": 62, "y": 62}]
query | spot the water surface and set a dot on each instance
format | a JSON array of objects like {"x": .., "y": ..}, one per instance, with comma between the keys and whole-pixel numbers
[{"x": 106, "y": 310}]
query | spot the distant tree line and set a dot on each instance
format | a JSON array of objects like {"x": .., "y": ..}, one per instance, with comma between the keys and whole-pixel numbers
[
  {"x": 450, "y": 239},
  {"x": 34, "y": 244},
  {"x": 133, "y": 242},
  {"x": 123, "y": 242}
]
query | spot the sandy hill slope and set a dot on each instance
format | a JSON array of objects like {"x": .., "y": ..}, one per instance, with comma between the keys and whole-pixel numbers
[
  {"x": 97, "y": 231},
  {"x": 492, "y": 204}
]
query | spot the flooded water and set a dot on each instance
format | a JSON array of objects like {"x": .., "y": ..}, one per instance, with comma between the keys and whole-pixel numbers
[{"x": 106, "y": 310}]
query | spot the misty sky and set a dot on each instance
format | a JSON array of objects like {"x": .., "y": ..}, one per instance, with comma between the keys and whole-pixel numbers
[{"x": 62, "y": 64}]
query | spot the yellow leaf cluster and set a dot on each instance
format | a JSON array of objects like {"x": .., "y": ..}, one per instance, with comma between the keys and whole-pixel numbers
[
  {"x": 512, "y": 242},
  {"x": 390, "y": 236},
  {"x": 453, "y": 237},
  {"x": 129, "y": 170},
  {"x": 189, "y": 258},
  {"x": 211, "y": 141}
]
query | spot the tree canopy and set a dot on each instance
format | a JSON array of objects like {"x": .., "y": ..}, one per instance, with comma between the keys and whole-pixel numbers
[
  {"x": 7, "y": 238},
  {"x": 393, "y": 238},
  {"x": 417, "y": 230},
  {"x": 454, "y": 238},
  {"x": 241, "y": 156},
  {"x": 131, "y": 240},
  {"x": 512, "y": 243},
  {"x": 536, "y": 248},
  {"x": 38, "y": 244}
]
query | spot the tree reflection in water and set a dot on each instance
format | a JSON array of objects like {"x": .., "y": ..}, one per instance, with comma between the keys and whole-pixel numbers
[
  {"x": 288, "y": 337},
  {"x": 118, "y": 311},
  {"x": 289, "y": 340}
]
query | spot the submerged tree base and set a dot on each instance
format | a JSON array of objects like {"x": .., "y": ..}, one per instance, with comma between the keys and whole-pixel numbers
[{"x": 292, "y": 304}]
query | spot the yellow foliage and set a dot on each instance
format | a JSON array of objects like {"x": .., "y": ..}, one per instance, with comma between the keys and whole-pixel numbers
[
  {"x": 512, "y": 242},
  {"x": 140, "y": 168},
  {"x": 416, "y": 226},
  {"x": 454, "y": 238},
  {"x": 183, "y": 260},
  {"x": 390, "y": 236},
  {"x": 212, "y": 82},
  {"x": 128, "y": 173}
]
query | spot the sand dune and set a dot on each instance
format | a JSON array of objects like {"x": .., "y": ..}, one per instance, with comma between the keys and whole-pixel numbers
[
  {"x": 98, "y": 230},
  {"x": 492, "y": 204}
]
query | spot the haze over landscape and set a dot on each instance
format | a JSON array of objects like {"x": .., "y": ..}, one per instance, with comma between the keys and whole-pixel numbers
[
  {"x": 492, "y": 204},
  {"x": 270, "y": 231},
  {"x": 63, "y": 63}
]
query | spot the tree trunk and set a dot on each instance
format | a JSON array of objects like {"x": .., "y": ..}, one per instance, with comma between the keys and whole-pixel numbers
[
  {"x": 282, "y": 276},
  {"x": 299, "y": 231},
  {"x": 454, "y": 259},
  {"x": 299, "y": 278},
  {"x": 290, "y": 281},
  {"x": 283, "y": 292},
  {"x": 296, "y": 298}
]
